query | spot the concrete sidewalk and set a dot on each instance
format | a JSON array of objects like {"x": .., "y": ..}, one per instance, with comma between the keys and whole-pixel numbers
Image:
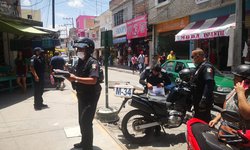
[{"x": 55, "y": 128}]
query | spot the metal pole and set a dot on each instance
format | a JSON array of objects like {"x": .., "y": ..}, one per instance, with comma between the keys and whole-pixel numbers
[
  {"x": 238, "y": 34},
  {"x": 53, "y": 13},
  {"x": 106, "y": 72}
]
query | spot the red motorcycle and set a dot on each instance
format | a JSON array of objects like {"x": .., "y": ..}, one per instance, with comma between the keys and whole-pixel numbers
[{"x": 200, "y": 136}]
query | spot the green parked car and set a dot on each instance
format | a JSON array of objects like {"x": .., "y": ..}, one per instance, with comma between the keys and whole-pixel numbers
[{"x": 223, "y": 84}]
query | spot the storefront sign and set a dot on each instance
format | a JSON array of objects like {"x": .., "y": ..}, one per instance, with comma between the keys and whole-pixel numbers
[
  {"x": 171, "y": 25},
  {"x": 120, "y": 30},
  {"x": 120, "y": 40},
  {"x": 200, "y": 1},
  {"x": 205, "y": 35},
  {"x": 137, "y": 27}
]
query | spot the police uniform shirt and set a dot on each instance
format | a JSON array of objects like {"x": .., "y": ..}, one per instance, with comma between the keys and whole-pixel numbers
[
  {"x": 87, "y": 68},
  {"x": 203, "y": 73},
  {"x": 38, "y": 63}
]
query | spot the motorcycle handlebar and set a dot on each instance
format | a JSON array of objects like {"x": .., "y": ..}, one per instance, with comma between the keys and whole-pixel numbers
[{"x": 217, "y": 108}]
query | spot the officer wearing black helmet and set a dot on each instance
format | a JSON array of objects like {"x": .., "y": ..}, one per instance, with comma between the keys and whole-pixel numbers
[
  {"x": 203, "y": 81},
  {"x": 88, "y": 90},
  {"x": 239, "y": 98},
  {"x": 152, "y": 76},
  {"x": 37, "y": 67}
]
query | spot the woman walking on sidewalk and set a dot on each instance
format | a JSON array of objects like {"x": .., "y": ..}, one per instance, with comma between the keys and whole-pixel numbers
[{"x": 134, "y": 63}]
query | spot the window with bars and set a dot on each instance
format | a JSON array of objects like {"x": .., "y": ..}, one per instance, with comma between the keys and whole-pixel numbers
[{"x": 118, "y": 18}]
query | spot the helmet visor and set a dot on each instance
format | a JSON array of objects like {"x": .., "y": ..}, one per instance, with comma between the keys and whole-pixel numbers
[{"x": 82, "y": 45}]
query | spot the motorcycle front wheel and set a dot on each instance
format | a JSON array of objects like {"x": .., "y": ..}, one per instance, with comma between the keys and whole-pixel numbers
[{"x": 129, "y": 130}]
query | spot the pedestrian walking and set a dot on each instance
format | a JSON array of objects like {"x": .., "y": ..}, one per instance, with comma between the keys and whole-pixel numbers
[
  {"x": 21, "y": 70},
  {"x": 203, "y": 81},
  {"x": 134, "y": 63},
  {"x": 141, "y": 60},
  {"x": 57, "y": 62},
  {"x": 85, "y": 81},
  {"x": 37, "y": 68},
  {"x": 163, "y": 58},
  {"x": 171, "y": 55}
]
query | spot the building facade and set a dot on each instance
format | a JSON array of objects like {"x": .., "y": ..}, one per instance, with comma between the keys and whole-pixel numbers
[{"x": 83, "y": 24}]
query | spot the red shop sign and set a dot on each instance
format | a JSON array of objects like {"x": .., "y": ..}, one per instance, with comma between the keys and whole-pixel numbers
[{"x": 137, "y": 27}]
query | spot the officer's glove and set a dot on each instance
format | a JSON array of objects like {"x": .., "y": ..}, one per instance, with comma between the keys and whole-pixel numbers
[{"x": 202, "y": 104}]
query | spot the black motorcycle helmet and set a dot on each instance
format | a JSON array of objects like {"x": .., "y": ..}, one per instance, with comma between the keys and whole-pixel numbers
[
  {"x": 185, "y": 74},
  {"x": 156, "y": 68},
  {"x": 242, "y": 71},
  {"x": 85, "y": 43}
]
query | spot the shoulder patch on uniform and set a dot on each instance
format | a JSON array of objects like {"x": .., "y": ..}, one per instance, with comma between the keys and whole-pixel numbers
[
  {"x": 94, "y": 66},
  {"x": 209, "y": 70}
]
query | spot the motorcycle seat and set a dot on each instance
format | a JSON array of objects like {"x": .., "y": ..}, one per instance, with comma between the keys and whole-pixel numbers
[
  {"x": 207, "y": 138},
  {"x": 159, "y": 99}
]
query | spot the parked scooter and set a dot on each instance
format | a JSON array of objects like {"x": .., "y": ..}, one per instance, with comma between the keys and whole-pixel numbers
[
  {"x": 200, "y": 136},
  {"x": 152, "y": 112}
]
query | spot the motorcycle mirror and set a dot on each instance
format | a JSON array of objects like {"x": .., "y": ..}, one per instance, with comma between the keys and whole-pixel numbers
[{"x": 230, "y": 116}]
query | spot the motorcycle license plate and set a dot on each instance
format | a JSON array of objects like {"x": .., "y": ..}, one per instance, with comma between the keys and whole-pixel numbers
[{"x": 123, "y": 90}]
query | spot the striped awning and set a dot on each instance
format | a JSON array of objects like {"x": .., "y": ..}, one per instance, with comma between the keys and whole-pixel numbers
[{"x": 205, "y": 29}]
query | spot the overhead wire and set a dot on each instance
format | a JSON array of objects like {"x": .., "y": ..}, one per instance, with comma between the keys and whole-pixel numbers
[
  {"x": 48, "y": 14},
  {"x": 32, "y": 4}
]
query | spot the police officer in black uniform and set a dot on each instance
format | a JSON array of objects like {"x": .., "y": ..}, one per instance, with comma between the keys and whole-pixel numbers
[
  {"x": 203, "y": 83},
  {"x": 85, "y": 81},
  {"x": 153, "y": 77},
  {"x": 37, "y": 68}
]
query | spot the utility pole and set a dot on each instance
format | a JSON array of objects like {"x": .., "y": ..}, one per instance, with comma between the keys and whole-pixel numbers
[
  {"x": 238, "y": 34},
  {"x": 53, "y": 14}
]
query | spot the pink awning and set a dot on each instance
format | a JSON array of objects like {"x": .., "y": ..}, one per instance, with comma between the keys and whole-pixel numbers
[{"x": 210, "y": 28}]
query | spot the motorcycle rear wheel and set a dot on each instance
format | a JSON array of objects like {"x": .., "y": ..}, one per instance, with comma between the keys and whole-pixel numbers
[{"x": 133, "y": 135}]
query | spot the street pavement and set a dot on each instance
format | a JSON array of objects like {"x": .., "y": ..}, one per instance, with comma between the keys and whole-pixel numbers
[{"x": 56, "y": 128}]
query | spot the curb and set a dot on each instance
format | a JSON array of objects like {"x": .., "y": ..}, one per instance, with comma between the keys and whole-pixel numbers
[{"x": 112, "y": 136}]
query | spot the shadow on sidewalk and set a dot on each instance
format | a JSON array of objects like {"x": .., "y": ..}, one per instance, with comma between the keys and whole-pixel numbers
[
  {"x": 17, "y": 95},
  {"x": 163, "y": 140}
]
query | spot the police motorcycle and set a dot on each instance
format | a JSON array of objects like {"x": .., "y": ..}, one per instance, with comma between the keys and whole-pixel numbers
[{"x": 154, "y": 112}]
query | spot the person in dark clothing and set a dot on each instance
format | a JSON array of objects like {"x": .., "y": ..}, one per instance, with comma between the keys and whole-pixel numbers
[
  {"x": 203, "y": 83},
  {"x": 85, "y": 81},
  {"x": 57, "y": 62},
  {"x": 153, "y": 77},
  {"x": 37, "y": 68},
  {"x": 21, "y": 70}
]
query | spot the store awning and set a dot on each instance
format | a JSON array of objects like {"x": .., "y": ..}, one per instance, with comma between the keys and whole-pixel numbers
[
  {"x": 204, "y": 29},
  {"x": 19, "y": 28}
]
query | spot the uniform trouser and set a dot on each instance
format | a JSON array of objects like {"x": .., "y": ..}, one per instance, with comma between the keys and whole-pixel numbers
[
  {"x": 86, "y": 107},
  {"x": 203, "y": 115},
  {"x": 38, "y": 92}
]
